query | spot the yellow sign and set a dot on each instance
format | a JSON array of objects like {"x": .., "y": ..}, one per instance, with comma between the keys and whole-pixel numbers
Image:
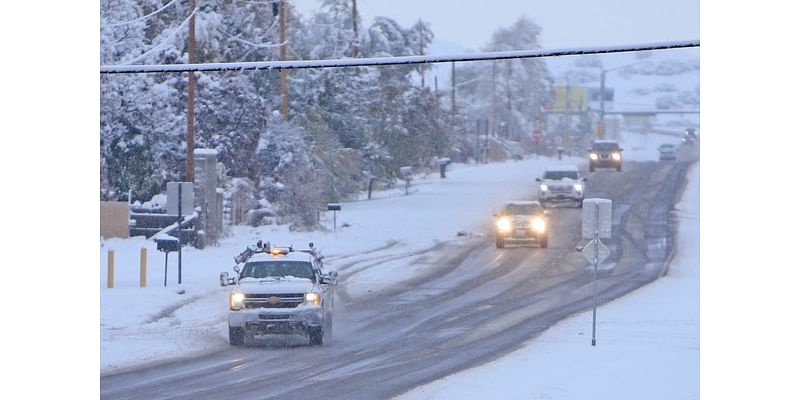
[{"x": 570, "y": 98}]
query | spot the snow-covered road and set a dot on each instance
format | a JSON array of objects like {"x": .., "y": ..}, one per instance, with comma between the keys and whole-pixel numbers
[{"x": 648, "y": 341}]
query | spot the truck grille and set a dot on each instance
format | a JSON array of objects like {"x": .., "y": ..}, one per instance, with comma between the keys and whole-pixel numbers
[
  {"x": 561, "y": 188},
  {"x": 258, "y": 300}
]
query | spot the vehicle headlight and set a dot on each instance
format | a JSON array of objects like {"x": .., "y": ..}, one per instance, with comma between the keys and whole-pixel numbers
[
  {"x": 312, "y": 298},
  {"x": 578, "y": 187},
  {"x": 616, "y": 156},
  {"x": 538, "y": 224},
  {"x": 543, "y": 188},
  {"x": 503, "y": 224},
  {"x": 593, "y": 156},
  {"x": 236, "y": 300}
]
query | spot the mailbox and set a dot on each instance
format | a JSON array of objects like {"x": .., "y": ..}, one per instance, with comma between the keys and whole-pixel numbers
[
  {"x": 334, "y": 207},
  {"x": 167, "y": 245},
  {"x": 405, "y": 171}
]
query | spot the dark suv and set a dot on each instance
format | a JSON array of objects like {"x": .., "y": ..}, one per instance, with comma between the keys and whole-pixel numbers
[{"x": 605, "y": 154}]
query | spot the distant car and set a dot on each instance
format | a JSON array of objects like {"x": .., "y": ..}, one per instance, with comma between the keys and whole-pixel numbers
[
  {"x": 280, "y": 291},
  {"x": 666, "y": 152},
  {"x": 516, "y": 151},
  {"x": 522, "y": 222},
  {"x": 689, "y": 136},
  {"x": 561, "y": 184},
  {"x": 605, "y": 154}
]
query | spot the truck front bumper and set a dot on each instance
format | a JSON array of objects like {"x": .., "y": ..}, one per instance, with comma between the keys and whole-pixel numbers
[{"x": 277, "y": 321}]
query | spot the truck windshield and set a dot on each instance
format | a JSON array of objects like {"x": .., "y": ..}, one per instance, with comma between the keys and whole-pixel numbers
[
  {"x": 605, "y": 146},
  {"x": 558, "y": 175},
  {"x": 278, "y": 269},
  {"x": 522, "y": 209}
]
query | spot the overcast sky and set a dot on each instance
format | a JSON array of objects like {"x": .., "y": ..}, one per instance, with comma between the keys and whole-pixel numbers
[{"x": 565, "y": 23}]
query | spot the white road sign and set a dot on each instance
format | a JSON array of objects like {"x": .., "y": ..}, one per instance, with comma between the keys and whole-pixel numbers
[
  {"x": 602, "y": 251},
  {"x": 596, "y": 216}
]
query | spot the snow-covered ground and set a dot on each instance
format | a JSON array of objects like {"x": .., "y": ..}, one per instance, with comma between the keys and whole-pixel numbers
[
  {"x": 139, "y": 325},
  {"x": 648, "y": 341}
]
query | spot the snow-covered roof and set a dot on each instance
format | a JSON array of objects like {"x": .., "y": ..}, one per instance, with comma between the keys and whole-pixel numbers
[
  {"x": 564, "y": 167},
  {"x": 605, "y": 141}
]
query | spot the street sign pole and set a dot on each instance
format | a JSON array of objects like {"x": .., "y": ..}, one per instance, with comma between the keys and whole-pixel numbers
[
  {"x": 180, "y": 219},
  {"x": 596, "y": 256}
]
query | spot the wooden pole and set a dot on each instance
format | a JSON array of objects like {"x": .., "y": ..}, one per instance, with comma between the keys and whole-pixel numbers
[
  {"x": 190, "y": 100},
  {"x": 110, "y": 269},
  {"x": 355, "y": 30},
  {"x": 283, "y": 73},
  {"x": 143, "y": 267}
]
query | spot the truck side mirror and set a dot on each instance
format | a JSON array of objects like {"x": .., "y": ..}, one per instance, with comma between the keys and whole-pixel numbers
[
  {"x": 538, "y": 179},
  {"x": 223, "y": 279},
  {"x": 331, "y": 278}
]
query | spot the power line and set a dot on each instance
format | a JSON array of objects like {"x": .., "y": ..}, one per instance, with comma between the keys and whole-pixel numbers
[
  {"x": 405, "y": 60},
  {"x": 116, "y": 24}
]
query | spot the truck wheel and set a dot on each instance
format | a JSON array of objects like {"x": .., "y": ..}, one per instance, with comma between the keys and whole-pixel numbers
[
  {"x": 315, "y": 336},
  {"x": 500, "y": 243},
  {"x": 543, "y": 242},
  {"x": 236, "y": 336}
]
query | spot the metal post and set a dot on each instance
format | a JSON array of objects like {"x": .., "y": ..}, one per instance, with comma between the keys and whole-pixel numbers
[
  {"x": 180, "y": 219},
  {"x": 596, "y": 256},
  {"x": 166, "y": 261},
  {"x": 334, "y": 219}
]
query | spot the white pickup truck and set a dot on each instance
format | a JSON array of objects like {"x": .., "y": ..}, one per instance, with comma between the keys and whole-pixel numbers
[{"x": 280, "y": 291}]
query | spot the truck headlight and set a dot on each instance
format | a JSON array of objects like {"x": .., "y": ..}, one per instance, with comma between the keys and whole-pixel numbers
[
  {"x": 543, "y": 188},
  {"x": 312, "y": 298},
  {"x": 503, "y": 224},
  {"x": 616, "y": 156},
  {"x": 578, "y": 187},
  {"x": 593, "y": 156},
  {"x": 539, "y": 225},
  {"x": 236, "y": 300}
]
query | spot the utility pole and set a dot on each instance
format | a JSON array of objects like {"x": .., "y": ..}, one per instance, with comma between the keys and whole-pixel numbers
[
  {"x": 421, "y": 52},
  {"x": 453, "y": 89},
  {"x": 190, "y": 99},
  {"x": 494, "y": 98},
  {"x": 355, "y": 30},
  {"x": 283, "y": 72}
]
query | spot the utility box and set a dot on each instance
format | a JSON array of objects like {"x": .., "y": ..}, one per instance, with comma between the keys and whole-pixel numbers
[{"x": 596, "y": 216}]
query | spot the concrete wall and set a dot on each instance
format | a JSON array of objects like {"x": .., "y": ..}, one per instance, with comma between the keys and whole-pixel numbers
[{"x": 114, "y": 217}]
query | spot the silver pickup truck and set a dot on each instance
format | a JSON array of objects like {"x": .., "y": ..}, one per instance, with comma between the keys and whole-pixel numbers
[{"x": 280, "y": 291}]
